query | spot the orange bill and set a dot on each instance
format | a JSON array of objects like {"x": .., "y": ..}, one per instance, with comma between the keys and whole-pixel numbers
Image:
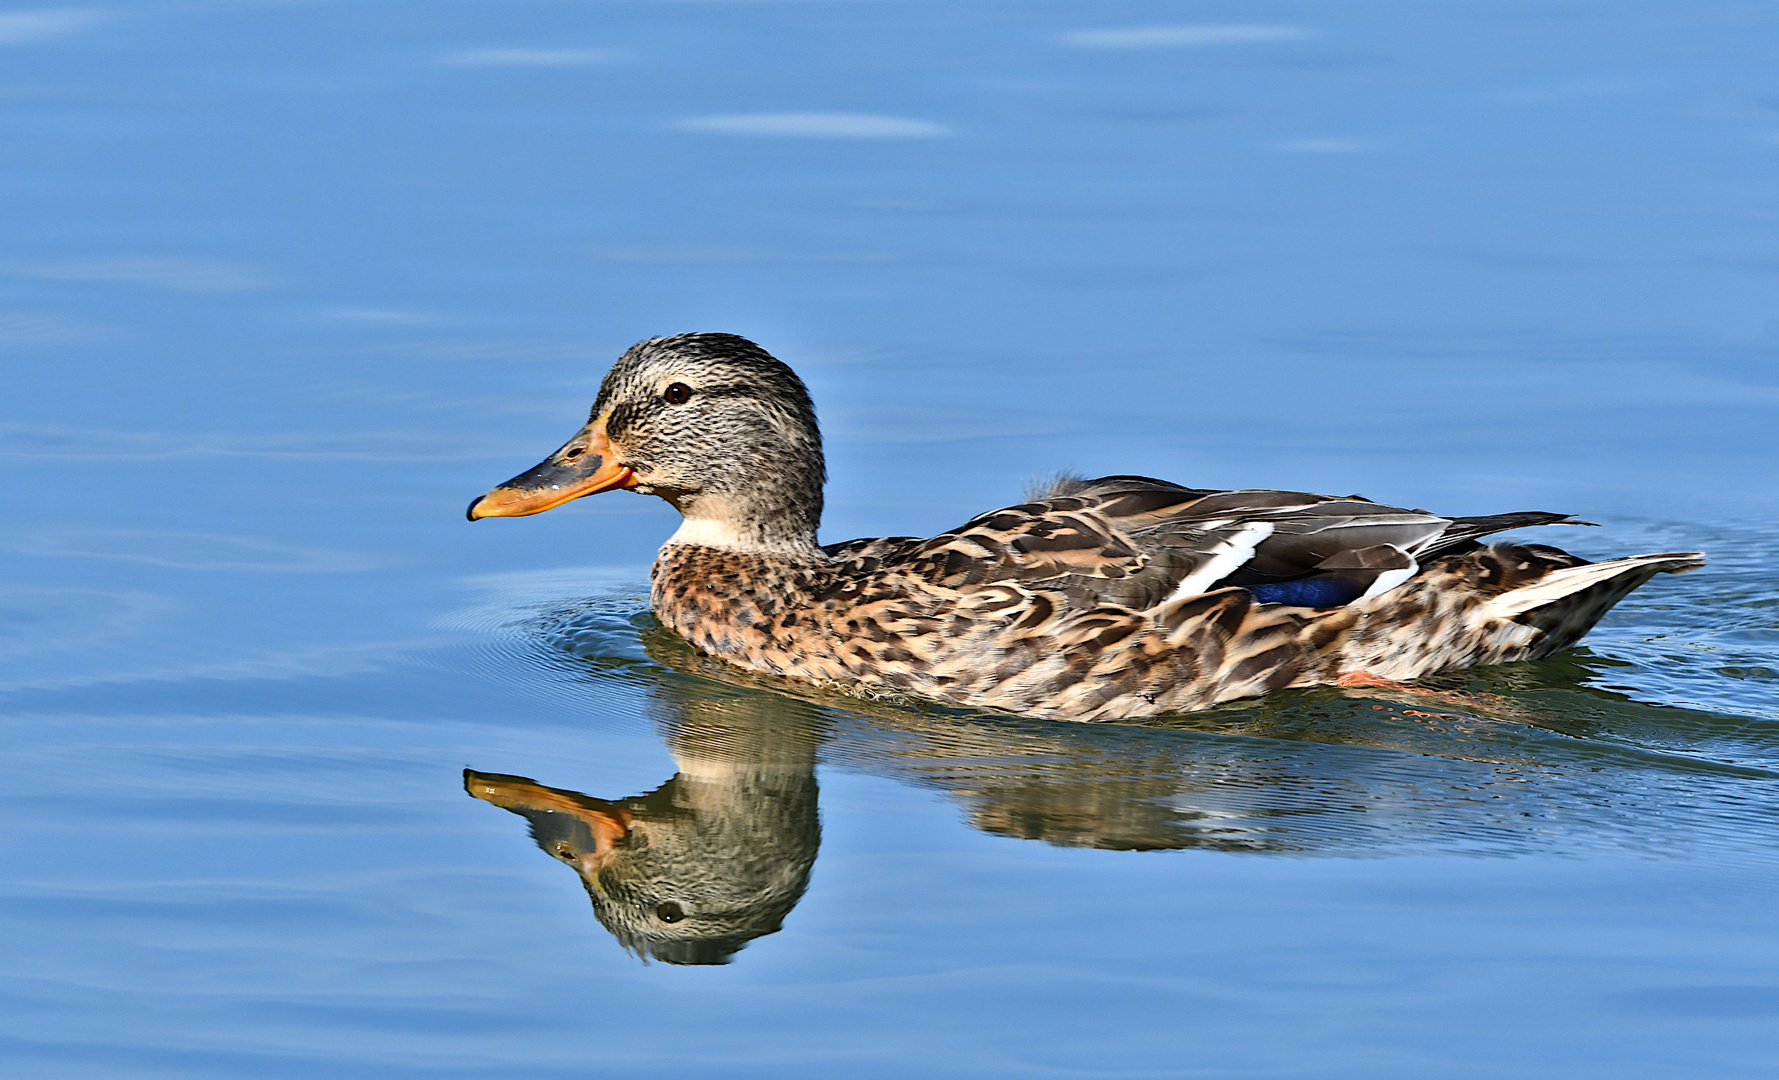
[{"x": 585, "y": 465}]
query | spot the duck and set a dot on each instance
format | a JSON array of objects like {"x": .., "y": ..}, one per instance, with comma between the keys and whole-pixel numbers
[{"x": 1095, "y": 599}]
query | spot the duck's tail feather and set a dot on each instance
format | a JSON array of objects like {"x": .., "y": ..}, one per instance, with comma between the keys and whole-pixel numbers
[
  {"x": 1463, "y": 530},
  {"x": 1565, "y": 604},
  {"x": 1559, "y": 584}
]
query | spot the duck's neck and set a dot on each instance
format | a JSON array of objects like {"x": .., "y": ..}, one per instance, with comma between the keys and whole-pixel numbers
[
  {"x": 763, "y": 522},
  {"x": 724, "y": 536}
]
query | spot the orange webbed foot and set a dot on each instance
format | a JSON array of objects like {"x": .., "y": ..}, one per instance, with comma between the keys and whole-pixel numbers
[
  {"x": 1366, "y": 678},
  {"x": 1486, "y": 705}
]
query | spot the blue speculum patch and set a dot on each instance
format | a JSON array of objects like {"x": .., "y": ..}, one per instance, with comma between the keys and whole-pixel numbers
[{"x": 1308, "y": 592}]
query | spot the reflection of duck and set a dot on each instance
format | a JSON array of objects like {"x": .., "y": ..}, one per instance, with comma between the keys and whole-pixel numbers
[
  {"x": 710, "y": 860},
  {"x": 721, "y": 853},
  {"x": 1116, "y": 597}
]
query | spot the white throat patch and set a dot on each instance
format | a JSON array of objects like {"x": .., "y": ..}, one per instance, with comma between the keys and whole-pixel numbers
[{"x": 704, "y": 532}]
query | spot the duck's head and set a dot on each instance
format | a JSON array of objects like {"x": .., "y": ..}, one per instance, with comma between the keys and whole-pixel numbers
[{"x": 710, "y": 422}]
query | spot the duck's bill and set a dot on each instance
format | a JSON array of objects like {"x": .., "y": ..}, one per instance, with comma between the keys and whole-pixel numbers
[{"x": 584, "y": 466}]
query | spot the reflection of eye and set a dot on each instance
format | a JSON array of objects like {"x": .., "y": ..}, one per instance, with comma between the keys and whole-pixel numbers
[
  {"x": 678, "y": 394},
  {"x": 670, "y": 912}
]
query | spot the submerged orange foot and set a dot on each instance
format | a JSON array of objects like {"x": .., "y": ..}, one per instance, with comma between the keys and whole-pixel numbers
[
  {"x": 1366, "y": 678},
  {"x": 1464, "y": 702}
]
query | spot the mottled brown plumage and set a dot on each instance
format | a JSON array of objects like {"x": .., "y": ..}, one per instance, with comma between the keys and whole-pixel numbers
[{"x": 1101, "y": 599}]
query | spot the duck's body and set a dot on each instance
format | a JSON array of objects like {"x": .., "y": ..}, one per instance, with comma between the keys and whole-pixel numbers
[
  {"x": 1103, "y": 599},
  {"x": 1072, "y": 606}
]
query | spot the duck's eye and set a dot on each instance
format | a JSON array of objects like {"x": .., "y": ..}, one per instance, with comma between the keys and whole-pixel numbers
[
  {"x": 677, "y": 393},
  {"x": 670, "y": 912}
]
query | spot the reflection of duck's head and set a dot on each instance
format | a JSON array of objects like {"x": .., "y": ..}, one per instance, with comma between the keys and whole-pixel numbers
[{"x": 692, "y": 871}]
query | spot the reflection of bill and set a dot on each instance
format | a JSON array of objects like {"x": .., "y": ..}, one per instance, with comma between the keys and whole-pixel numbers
[{"x": 710, "y": 860}]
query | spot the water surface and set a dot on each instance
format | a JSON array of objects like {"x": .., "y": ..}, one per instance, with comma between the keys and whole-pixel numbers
[{"x": 282, "y": 286}]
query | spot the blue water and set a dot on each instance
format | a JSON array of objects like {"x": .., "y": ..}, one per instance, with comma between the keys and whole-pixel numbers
[{"x": 284, "y": 285}]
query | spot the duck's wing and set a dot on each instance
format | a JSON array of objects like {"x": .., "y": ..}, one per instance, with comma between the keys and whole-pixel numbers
[
  {"x": 866, "y": 555},
  {"x": 1137, "y": 542}
]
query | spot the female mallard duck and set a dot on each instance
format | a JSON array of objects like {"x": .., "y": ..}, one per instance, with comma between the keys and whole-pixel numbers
[{"x": 1109, "y": 598}]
